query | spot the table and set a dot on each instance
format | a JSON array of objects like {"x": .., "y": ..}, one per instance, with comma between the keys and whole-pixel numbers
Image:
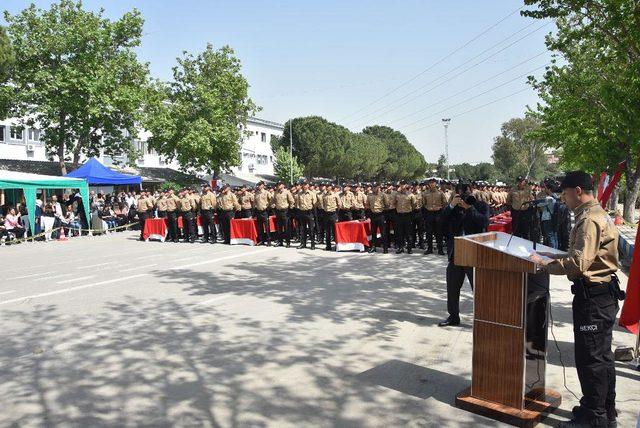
[
  {"x": 243, "y": 231},
  {"x": 352, "y": 235},
  {"x": 272, "y": 223},
  {"x": 501, "y": 223},
  {"x": 198, "y": 222},
  {"x": 154, "y": 228}
]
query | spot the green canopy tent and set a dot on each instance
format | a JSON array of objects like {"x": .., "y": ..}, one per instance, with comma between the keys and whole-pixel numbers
[{"x": 30, "y": 183}]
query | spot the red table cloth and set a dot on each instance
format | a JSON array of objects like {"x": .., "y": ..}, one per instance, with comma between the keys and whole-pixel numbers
[
  {"x": 351, "y": 235},
  {"x": 272, "y": 223},
  {"x": 501, "y": 223},
  {"x": 243, "y": 231},
  {"x": 154, "y": 228}
]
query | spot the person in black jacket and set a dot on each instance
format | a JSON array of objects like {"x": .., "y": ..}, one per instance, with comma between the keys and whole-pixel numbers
[{"x": 465, "y": 215}]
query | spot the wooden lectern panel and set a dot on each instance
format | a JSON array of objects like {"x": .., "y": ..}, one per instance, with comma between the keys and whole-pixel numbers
[
  {"x": 499, "y": 297},
  {"x": 498, "y": 364}
]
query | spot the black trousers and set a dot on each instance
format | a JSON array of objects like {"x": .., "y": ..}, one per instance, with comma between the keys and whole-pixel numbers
[
  {"x": 433, "y": 226},
  {"x": 320, "y": 224},
  {"x": 330, "y": 228},
  {"x": 264, "y": 232},
  {"x": 187, "y": 224},
  {"x": 282, "y": 226},
  {"x": 307, "y": 223},
  {"x": 162, "y": 214},
  {"x": 378, "y": 226},
  {"x": 455, "y": 279},
  {"x": 345, "y": 215},
  {"x": 417, "y": 228},
  {"x": 245, "y": 213},
  {"x": 593, "y": 320},
  {"x": 209, "y": 232},
  {"x": 172, "y": 226},
  {"x": 142, "y": 217},
  {"x": 357, "y": 213},
  {"x": 403, "y": 229},
  {"x": 225, "y": 225},
  {"x": 390, "y": 224}
]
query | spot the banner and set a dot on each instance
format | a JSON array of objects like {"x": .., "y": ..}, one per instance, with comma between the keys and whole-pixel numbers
[
  {"x": 630, "y": 315},
  {"x": 612, "y": 184},
  {"x": 601, "y": 184}
]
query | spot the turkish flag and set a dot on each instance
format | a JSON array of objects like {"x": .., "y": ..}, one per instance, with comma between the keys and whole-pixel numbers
[
  {"x": 612, "y": 184},
  {"x": 630, "y": 315}
]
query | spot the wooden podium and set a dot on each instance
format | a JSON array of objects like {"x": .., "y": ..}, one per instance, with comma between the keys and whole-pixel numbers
[{"x": 511, "y": 306}]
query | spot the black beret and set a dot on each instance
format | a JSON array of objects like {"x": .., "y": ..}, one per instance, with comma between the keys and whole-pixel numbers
[{"x": 577, "y": 179}]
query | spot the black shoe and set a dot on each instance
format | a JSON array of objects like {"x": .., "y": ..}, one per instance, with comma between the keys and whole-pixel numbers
[
  {"x": 328, "y": 249},
  {"x": 313, "y": 247},
  {"x": 400, "y": 250},
  {"x": 409, "y": 251},
  {"x": 449, "y": 322},
  {"x": 421, "y": 246},
  {"x": 440, "y": 252},
  {"x": 582, "y": 423},
  {"x": 279, "y": 244},
  {"x": 385, "y": 251},
  {"x": 428, "y": 251},
  {"x": 288, "y": 244},
  {"x": 300, "y": 247},
  {"x": 579, "y": 417},
  {"x": 371, "y": 250}
]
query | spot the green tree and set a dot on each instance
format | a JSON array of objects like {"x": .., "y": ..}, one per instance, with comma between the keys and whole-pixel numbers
[
  {"x": 441, "y": 167},
  {"x": 7, "y": 60},
  {"x": 404, "y": 161},
  {"x": 76, "y": 75},
  {"x": 591, "y": 90},
  {"x": 285, "y": 167},
  {"x": 198, "y": 118},
  {"x": 519, "y": 150}
]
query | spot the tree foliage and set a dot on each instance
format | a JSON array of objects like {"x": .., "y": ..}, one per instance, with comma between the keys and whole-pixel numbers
[
  {"x": 519, "y": 150},
  {"x": 198, "y": 117},
  {"x": 286, "y": 169},
  {"x": 326, "y": 149},
  {"x": 7, "y": 60},
  {"x": 590, "y": 92},
  {"x": 76, "y": 75}
]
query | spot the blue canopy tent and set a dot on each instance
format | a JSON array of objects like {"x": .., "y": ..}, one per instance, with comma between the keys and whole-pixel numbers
[{"x": 97, "y": 174}]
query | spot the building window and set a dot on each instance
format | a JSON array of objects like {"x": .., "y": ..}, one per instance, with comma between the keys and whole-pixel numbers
[
  {"x": 270, "y": 159},
  {"x": 34, "y": 135},
  {"x": 263, "y": 137},
  {"x": 2, "y": 133},
  {"x": 16, "y": 133}
]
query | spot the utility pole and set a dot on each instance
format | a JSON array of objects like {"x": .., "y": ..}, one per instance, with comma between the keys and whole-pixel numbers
[
  {"x": 290, "y": 152},
  {"x": 446, "y": 122}
]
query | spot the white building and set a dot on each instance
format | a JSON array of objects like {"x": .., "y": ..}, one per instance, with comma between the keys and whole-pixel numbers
[{"x": 256, "y": 155}]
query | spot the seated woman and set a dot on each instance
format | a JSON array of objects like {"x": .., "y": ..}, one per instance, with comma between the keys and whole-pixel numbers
[
  {"x": 121, "y": 212},
  {"x": 69, "y": 222},
  {"x": 109, "y": 217},
  {"x": 12, "y": 224}
]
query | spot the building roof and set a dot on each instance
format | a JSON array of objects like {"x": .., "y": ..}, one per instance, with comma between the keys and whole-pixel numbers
[{"x": 265, "y": 122}]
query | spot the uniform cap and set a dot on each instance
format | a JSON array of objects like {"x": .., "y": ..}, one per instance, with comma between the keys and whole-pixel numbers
[{"x": 577, "y": 179}]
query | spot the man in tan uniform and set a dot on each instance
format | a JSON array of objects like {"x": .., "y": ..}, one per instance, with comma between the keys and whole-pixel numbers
[
  {"x": 330, "y": 205},
  {"x": 172, "y": 219},
  {"x": 360, "y": 198},
  {"x": 390, "y": 213},
  {"x": 283, "y": 201},
  {"x": 208, "y": 207},
  {"x": 246, "y": 200},
  {"x": 305, "y": 201},
  {"x": 145, "y": 205},
  {"x": 590, "y": 263},
  {"x": 228, "y": 203},
  {"x": 375, "y": 207},
  {"x": 405, "y": 203},
  {"x": 433, "y": 200},
  {"x": 186, "y": 212},
  {"x": 347, "y": 199},
  {"x": 161, "y": 204},
  {"x": 262, "y": 202}
]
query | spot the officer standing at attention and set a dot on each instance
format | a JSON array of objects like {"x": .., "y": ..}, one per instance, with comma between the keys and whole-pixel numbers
[
  {"x": 161, "y": 205},
  {"x": 591, "y": 263},
  {"x": 195, "y": 209},
  {"x": 283, "y": 201},
  {"x": 405, "y": 203},
  {"x": 320, "y": 220},
  {"x": 390, "y": 214},
  {"x": 358, "y": 203},
  {"x": 208, "y": 206},
  {"x": 172, "y": 220},
  {"x": 347, "y": 199},
  {"x": 517, "y": 200},
  {"x": 262, "y": 202},
  {"x": 228, "y": 204},
  {"x": 186, "y": 212},
  {"x": 306, "y": 200},
  {"x": 246, "y": 203},
  {"x": 417, "y": 221},
  {"x": 143, "y": 208},
  {"x": 434, "y": 200},
  {"x": 375, "y": 206},
  {"x": 330, "y": 205}
]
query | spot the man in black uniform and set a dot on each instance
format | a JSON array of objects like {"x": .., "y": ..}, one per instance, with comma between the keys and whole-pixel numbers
[
  {"x": 590, "y": 263},
  {"x": 465, "y": 215}
]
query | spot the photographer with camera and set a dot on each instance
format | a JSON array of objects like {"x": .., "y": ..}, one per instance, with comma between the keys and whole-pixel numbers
[
  {"x": 522, "y": 212},
  {"x": 465, "y": 215}
]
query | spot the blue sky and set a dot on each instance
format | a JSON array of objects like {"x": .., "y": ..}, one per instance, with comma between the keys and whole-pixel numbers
[{"x": 334, "y": 58}]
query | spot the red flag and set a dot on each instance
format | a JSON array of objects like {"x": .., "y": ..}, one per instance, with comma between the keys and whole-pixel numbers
[
  {"x": 612, "y": 184},
  {"x": 603, "y": 177},
  {"x": 630, "y": 315}
]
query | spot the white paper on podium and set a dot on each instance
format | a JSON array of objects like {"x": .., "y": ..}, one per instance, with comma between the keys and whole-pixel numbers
[{"x": 519, "y": 247}]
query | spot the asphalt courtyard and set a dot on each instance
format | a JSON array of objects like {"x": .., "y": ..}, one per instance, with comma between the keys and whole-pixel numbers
[{"x": 110, "y": 331}]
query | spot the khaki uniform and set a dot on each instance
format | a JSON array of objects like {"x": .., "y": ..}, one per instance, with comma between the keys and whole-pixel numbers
[
  {"x": 347, "y": 200},
  {"x": 434, "y": 200},
  {"x": 305, "y": 200},
  {"x": 593, "y": 246},
  {"x": 185, "y": 204},
  {"x": 229, "y": 202},
  {"x": 262, "y": 200},
  {"x": 405, "y": 202},
  {"x": 283, "y": 200},
  {"x": 359, "y": 201},
  {"x": 516, "y": 198},
  {"x": 172, "y": 203},
  {"x": 144, "y": 205},
  {"x": 208, "y": 201},
  {"x": 330, "y": 202},
  {"x": 247, "y": 201},
  {"x": 375, "y": 203},
  {"x": 390, "y": 199},
  {"x": 161, "y": 204}
]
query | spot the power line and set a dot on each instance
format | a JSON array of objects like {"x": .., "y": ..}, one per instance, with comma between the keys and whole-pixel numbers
[
  {"x": 475, "y": 96},
  {"x": 453, "y": 69},
  {"x": 470, "y": 87},
  {"x": 469, "y": 111},
  {"x": 406, "y": 82}
]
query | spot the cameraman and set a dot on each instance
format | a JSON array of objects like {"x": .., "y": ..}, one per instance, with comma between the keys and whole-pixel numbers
[{"x": 464, "y": 215}]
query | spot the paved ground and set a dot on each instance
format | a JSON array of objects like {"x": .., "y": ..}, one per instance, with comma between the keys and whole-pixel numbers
[{"x": 114, "y": 332}]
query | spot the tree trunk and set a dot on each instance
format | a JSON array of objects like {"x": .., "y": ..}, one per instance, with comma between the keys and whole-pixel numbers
[
  {"x": 63, "y": 166},
  {"x": 632, "y": 175},
  {"x": 613, "y": 202}
]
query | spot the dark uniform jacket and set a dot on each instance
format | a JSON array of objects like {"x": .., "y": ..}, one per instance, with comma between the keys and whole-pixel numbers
[{"x": 465, "y": 222}]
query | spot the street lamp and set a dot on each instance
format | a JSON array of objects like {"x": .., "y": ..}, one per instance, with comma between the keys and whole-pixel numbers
[{"x": 446, "y": 122}]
